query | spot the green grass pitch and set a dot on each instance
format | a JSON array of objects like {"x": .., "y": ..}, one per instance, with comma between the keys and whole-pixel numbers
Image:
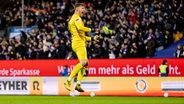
[{"x": 88, "y": 100}]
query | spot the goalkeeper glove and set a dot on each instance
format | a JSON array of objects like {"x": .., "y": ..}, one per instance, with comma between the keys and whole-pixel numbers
[{"x": 96, "y": 38}]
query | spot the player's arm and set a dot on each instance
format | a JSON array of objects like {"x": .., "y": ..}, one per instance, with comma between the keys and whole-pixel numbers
[
  {"x": 80, "y": 26},
  {"x": 88, "y": 38},
  {"x": 167, "y": 70},
  {"x": 95, "y": 38}
]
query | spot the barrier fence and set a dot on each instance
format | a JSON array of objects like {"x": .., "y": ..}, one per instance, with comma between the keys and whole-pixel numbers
[
  {"x": 120, "y": 77},
  {"x": 97, "y": 67}
]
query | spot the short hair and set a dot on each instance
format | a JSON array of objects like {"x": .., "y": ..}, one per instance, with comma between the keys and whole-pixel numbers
[
  {"x": 164, "y": 62},
  {"x": 79, "y": 4}
]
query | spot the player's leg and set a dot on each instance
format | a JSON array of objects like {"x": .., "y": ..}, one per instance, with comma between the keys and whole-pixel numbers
[
  {"x": 84, "y": 61},
  {"x": 76, "y": 69},
  {"x": 79, "y": 79},
  {"x": 82, "y": 55},
  {"x": 81, "y": 74}
]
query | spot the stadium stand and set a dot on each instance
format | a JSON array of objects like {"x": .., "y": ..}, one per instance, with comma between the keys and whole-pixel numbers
[
  {"x": 170, "y": 51},
  {"x": 127, "y": 28}
]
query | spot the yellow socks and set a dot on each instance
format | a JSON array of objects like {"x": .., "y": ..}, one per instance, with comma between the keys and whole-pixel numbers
[
  {"x": 76, "y": 69},
  {"x": 80, "y": 75}
]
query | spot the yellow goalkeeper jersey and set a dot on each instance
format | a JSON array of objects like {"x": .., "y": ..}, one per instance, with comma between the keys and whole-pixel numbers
[{"x": 77, "y": 29}]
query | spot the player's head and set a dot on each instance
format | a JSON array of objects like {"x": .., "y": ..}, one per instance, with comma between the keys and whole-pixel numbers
[
  {"x": 164, "y": 62},
  {"x": 80, "y": 9}
]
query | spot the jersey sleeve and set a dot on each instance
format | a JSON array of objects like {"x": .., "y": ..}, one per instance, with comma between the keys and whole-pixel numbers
[
  {"x": 80, "y": 26},
  {"x": 88, "y": 38}
]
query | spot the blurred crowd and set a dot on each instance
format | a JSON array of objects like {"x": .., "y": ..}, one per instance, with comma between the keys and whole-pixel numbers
[{"x": 127, "y": 28}]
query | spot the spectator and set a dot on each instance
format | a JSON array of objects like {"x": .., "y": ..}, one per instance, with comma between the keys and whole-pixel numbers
[
  {"x": 179, "y": 53},
  {"x": 64, "y": 72},
  {"x": 98, "y": 50},
  {"x": 163, "y": 69},
  {"x": 177, "y": 36}
]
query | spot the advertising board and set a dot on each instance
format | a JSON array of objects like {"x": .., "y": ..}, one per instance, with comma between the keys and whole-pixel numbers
[
  {"x": 100, "y": 86},
  {"x": 97, "y": 67}
]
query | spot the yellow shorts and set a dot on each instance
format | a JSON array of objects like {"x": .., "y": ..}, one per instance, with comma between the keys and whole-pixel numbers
[{"x": 81, "y": 53}]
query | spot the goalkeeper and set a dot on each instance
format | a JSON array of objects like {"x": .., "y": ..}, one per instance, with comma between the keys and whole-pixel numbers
[{"x": 77, "y": 29}]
